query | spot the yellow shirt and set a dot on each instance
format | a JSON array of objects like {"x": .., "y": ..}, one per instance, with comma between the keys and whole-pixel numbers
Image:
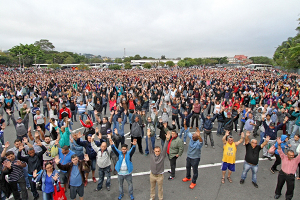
[{"x": 229, "y": 153}]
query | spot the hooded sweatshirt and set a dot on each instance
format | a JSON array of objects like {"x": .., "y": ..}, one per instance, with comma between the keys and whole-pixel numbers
[{"x": 283, "y": 144}]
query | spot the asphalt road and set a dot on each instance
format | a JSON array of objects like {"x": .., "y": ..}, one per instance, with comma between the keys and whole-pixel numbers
[{"x": 208, "y": 187}]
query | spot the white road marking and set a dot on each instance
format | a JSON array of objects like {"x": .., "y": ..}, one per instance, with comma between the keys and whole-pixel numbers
[{"x": 180, "y": 169}]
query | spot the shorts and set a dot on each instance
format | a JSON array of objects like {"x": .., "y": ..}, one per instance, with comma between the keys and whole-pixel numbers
[
  {"x": 229, "y": 166},
  {"x": 63, "y": 177},
  {"x": 74, "y": 190}
]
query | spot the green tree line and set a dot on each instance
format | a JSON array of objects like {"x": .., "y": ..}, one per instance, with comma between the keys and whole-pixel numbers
[{"x": 288, "y": 53}]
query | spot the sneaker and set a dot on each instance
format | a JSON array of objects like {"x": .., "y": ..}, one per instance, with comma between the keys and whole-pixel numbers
[
  {"x": 255, "y": 185},
  {"x": 206, "y": 146},
  {"x": 277, "y": 196},
  {"x": 146, "y": 154},
  {"x": 115, "y": 172},
  {"x": 170, "y": 178},
  {"x": 242, "y": 181},
  {"x": 270, "y": 159},
  {"x": 141, "y": 152},
  {"x": 169, "y": 172},
  {"x": 108, "y": 188},
  {"x": 186, "y": 179},
  {"x": 131, "y": 197},
  {"x": 213, "y": 147},
  {"x": 184, "y": 143},
  {"x": 273, "y": 172},
  {"x": 192, "y": 185},
  {"x": 96, "y": 190},
  {"x": 85, "y": 183},
  {"x": 120, "y": 196},
  {"x": 276, "y": 170},
  {"x": 94, "y": 179}
]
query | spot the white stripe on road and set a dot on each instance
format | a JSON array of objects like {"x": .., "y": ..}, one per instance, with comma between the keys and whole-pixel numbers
[{"x": 180, "y": 169}]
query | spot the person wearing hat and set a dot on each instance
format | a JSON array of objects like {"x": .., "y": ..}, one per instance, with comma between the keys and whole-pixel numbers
[
  {"x": 271, "y": 131},
  {"x": 33, "y": 112},
  {"x": 90, "y": 151},
  {"x": 21, "y": 125},
  {"x": 228, "y": 121}
]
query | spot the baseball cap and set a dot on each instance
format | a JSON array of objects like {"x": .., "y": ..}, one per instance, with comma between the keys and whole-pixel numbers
[
  {"x": 19, "y": 118},
  {"x": 272, "y": 124},
  {"x": 108, "y": 130},
  {"x": 228, "y": 113}
]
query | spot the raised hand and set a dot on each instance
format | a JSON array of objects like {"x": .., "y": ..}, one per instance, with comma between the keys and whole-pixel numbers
[
  {"x": 227, "y": 133},
  {"x": 134, "y": 141},
  {"x": 111, "y": 142},
  {"x": 278, "y": 140},
  {"x": 248, "y": 133},
  {"x": 56, "y": 159},
  {"x": 99, "y": 136},
  {"x": 79, "y": 135},
  {"x": 29, "y": 129},
  {"x": 116, "y": 131},
  {"x": 96, "y": 130},
  {"x": 6, "y": 145},
  {"x": 242, "y": 135},
  {"x": 268, "y": 138},
  {"x": 55, "y": 177},
  {"x": 86, "y": 157},
  {"x": 7, "y": 164},
  {"x": 21, "y": 147},
  {"x": 25, "y": 140},
  {"x": 168, "y": 136}
]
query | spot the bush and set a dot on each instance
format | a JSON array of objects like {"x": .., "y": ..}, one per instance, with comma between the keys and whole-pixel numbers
[
  {"x": 114, "y": 67},
  {"x": 127, "y": 66},
  {"x": 147, "y": 65}
]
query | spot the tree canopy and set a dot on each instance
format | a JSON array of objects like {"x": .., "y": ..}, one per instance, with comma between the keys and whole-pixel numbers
[{"x": 288, "y": 53}]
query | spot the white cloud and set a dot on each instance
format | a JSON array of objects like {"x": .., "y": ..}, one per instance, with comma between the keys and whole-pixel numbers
[{"x": 152, "y": 28}]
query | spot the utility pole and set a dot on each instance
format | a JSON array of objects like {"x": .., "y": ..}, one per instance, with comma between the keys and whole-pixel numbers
[{"x": 35, "y": 60}]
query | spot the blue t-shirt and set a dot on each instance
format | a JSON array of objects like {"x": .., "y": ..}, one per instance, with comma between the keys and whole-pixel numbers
[
  {"x": 48, "y": 184},
  {"x": 64, "y": 159},
  {"x": 75, "y": 178}
]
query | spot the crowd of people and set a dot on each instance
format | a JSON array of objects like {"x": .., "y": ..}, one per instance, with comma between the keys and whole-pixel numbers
[{"x": 156, "y": 105}]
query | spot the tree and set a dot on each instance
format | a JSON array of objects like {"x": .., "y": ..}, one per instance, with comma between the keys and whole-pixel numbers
[
  {"x": 127, "y": 66},
  {"x": 118, "y": 60},
  {"x": 147, "y": 65},
  {"x": 181, "y": 63},
  {"x": 28, "y": 53},
  {"x": 170, "y": 63},
  {"x": 261, "y": 60},
  {"x": 137, "y": 57},
  {"x": 163, "y": 57},
  {"x": 69, "y": 60},
  {"x": 144, "y": 57},
  {"x": 114, "y": 67},
  {"x": 45, "y": 45},
  {"x": 96, "y": 60},
  {"x": 288, "y": 53}
]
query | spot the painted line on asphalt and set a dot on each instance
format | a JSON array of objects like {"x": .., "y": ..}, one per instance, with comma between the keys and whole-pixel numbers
[{"x": 181, "y": 169}]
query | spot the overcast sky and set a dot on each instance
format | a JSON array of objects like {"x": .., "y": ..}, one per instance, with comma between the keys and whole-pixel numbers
[{"x": 175, "y": 28}]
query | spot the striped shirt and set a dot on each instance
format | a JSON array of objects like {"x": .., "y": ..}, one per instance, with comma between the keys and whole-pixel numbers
[
  {"x": 17, "y": 172},
  {"x": 81, "y": 108}
]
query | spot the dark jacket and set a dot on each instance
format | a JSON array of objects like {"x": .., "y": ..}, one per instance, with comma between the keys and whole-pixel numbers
[
  {"x": 163, "y": 130},
  {"x": 88, "y": 147},
  {"x": 34, "y": 162},
  {"x": 4, "y": 185},
  {"x": 208, "y": 123},
  {"x": 228, "y": 122},
  {"x": 68, "y": 167},
  {"x": 187, "y": 119}
]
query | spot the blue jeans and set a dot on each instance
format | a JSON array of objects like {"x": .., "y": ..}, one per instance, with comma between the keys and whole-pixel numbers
[
  {"x": 246, "y": 168},
  {"x": 92, "y": 115},
  {"x": 290, "y": 125},
  {"x": 201, "y": 124},
  {"x": 25, "y": 170},
  {"x": 104, "y": 172},
  {"x": 128, "y": 179},
  {"x": 296, "y": 127},
  {"x": 185, "y": 132},
  {"x": 130, "y": 116},
  {"x": 48, "y": 196},
  {"x": 194, "y": 164},
  {"x": 220, "y": 128},
  {"x": 45, "y": 111},
  {"x": 83, "y": 116},
  {"x": 153, "y": 144},
  {"x": 162, "y": 142},
  {"x": 262, "y": 135}
]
